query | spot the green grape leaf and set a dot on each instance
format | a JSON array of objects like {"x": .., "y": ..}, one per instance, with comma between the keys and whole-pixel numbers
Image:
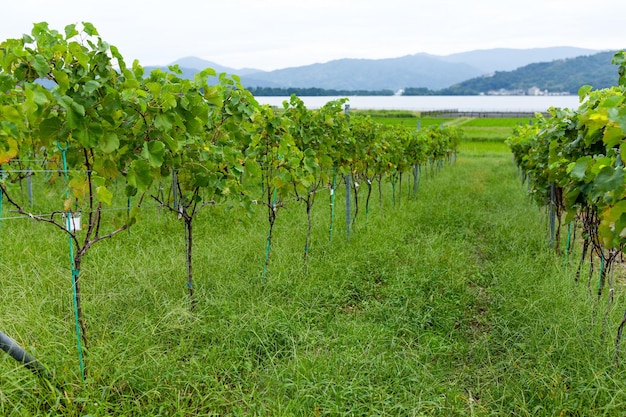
[
  {"x": 106, "y": 167},
  {"x": 49, "y": 128},
  {"x": 618, "y": 115},
  {"x": 70, "y": 31},
  {"x": 620, "y": 59},
  {"x": 584, "y": 91},
  {"x": 139, "y": 175},
  {"x": 154, "y": 152},
  {"x": 163, "y": 122},
  {"x": 91, "y": 86},
  {"x": 613, "y": 213},
  {"x": 6, "y": 83},
  {"x": 90, "y": 29},
  {"x": 36, "y": 96},
  {"x": 606, "y": 235},
  {"x": 608, "y": 179},
  {"x": 579, "y": 169},
  {"x": 11, "y": 114},
  {"x": 78, "y": 53},
  {"x": 41, "y": 65},
  {"x": 171, "y": 143},
  {"x": 104, "y": 195},
  {"x": 252, "y": 169},
  {"x": 109, "y": 142},
  {"x": 612, "y": 136},
  {"x": 62, "y": 79},
  {"x": 78, "y": 108}
]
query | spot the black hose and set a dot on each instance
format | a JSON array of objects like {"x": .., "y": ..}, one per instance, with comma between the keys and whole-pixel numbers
[{"x": 11, "y": 347}]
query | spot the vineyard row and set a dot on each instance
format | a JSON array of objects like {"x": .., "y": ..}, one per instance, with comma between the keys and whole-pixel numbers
[
  {"x": 105, "y": 132},
  {"x": 574, "y": 165}
]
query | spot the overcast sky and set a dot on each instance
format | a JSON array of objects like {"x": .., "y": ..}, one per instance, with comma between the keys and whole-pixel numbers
[{"x": 271, "y": 34}]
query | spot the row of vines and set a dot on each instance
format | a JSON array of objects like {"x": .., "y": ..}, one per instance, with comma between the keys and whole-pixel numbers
[
  {"x": 72, "y": 111},
  {"x": 574, "y": 165}
]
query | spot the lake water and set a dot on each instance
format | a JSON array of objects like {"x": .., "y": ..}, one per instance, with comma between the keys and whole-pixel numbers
[{"x": 423, "y": 103}]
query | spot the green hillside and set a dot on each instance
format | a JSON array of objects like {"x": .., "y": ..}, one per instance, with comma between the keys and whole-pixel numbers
[{"x": 564, "y": 75}]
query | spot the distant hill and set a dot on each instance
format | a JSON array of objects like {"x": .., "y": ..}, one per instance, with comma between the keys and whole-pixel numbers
[
  {"x": 419, "y": 70},
  {"x": 369, "y": 74},
  {"x": 508, "y": 59},
  {"x": 192, "y": 65},
  {"x": 425, "y": 71},
  {"x": 562, "y": 75},
  {"x": 196, "y": 63}
]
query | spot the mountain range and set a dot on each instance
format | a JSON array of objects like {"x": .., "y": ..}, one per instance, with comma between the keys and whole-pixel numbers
[
  {"x": 557, "y": 76},
  {"x": 421, "y": 70}
]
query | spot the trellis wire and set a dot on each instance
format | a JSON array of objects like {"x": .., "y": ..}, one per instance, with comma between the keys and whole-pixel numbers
[{"x": 45, "y": 171}]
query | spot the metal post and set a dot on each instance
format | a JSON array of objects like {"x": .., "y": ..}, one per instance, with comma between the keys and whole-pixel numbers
[
  {"x": 415, "y": 180},
  {"x": 348, "y": 220},
  {"x": 175, "y": 189},
  {"x": 29, "y": 185},
  {"x": 348, "y": 187},
  {"x": 552, "y": 215}
]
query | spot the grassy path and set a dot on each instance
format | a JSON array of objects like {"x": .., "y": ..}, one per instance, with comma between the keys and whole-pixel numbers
[{"x": 449, "y": 305}]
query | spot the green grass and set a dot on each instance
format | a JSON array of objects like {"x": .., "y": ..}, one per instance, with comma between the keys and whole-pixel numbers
[
  {"x": 409, "y": 121},
  {"x": 497, "y": 122},
  {"x": 474, "y": 148},
  {"x": 389, "y": 114},
  {"x": 452, "y": 304},
  {"x": 492, "y": 129},
  {"x": 412, "y": 122}
]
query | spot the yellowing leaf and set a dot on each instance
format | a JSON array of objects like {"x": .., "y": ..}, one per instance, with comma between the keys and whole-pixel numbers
[
  {"x": 11, "y": 114},
  {"x": 600, "y": 117},
  {"x": 104, "y": 195},
  {"x": 8, "y": 151},
  {"x": 67, "y": 204},
  {"x": 79, "y": 187}
]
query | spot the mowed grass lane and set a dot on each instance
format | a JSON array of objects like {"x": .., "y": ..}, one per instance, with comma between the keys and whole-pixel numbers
[{"x": 450, "y": 304}]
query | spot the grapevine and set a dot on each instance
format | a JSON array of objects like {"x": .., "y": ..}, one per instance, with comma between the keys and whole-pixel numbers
[{"x": 574, "y": 164}]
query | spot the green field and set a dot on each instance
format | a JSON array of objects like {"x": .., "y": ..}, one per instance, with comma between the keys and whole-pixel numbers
[
  {"x": 450, "y": 304},
  {"x": 490, "y": 129},
  {"x": 401, "y": 118},
  {"x": 474, "y": 129}
]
